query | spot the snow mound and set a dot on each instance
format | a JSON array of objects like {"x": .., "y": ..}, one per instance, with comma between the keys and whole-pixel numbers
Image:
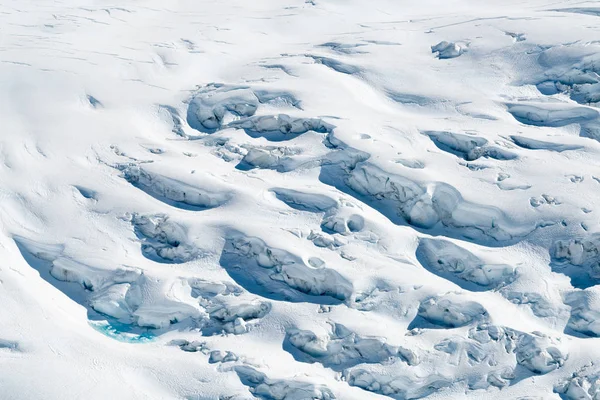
[
  {"x": 578, "y": 258},
  {"x": 278, "y": 274},
  {"x": 218, "y": 106},
  {"x": 585, "y": 312},
  {"x": 266, "y": 388},
  {"x": 343, "y": 348},
  {"x": 571, "y": 69},
  {"x": 534, "y": 144},
  {"x": 490, "y": 356},
  {"x": 162, "y": 239},
  {"x": 457, "y": 264},
  {"x": 426, "y": 207},
  {"x": 582, "y": 385},
  {"x": 447, "y": 50},
  {"x": 209, "y": 200},
  {"x": 175, "y": 192},
  {"x": 551, "y": 115},
  {"x": 449, "y": 312},
  {"x": 468, "y": 147},
  {"x": 312, "y": 202}
]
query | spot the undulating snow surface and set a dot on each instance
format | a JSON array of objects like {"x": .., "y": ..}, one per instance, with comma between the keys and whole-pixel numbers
[{"x": 289, "y": 199}]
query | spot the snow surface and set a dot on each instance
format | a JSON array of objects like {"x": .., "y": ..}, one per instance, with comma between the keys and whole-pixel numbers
[{"x": 290, "y": 199}]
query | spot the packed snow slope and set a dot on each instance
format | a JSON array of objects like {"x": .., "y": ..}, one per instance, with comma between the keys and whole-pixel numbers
[{"x": 289, "y": 199}]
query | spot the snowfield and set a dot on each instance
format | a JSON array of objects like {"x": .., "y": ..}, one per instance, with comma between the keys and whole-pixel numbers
[{"x": 290, "y": 199}]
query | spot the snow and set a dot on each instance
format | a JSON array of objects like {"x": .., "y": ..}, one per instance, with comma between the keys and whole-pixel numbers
[{"x": 297, "y": 199}]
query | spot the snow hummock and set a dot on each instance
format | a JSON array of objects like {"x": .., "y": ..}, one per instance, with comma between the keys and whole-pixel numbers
[{"x": 293, "y": 200}]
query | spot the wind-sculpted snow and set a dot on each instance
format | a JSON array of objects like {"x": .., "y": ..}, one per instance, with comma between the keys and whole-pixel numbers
[
  {"x": 62, "y": 268},
  {"x": 571, "y": 69},
  {"x": 208, "y": 110},
  {"x": 344, "y": 222},
  {"x": 459, "y": 265},
  {"x": 440, "y": 204},
  {"x": 343, "y": 348},
  {"x": 137, "y": 299},
  {"x": 582, "y": 385},
  {"x": 279, "y": 158},
  {"x": 265, "y": 388},
  {"x": 534, "y": 144},
  {"x": 540, "y": 353},
  {"x": 489, "y": 356},
  {"x": 585, "y": 314},
  {"x": 227, "y": 309},
  {"x": 448, "y": 312},
  {"x": 162, "y": 239},
  {"x": 278, "y": 274},
  {"x": 396, "y": 387},
  {"x": 446, "y": 49},
  {"x": 336, "y": 65},
  {"x": 299, "y": 200},
  {"x": 218, "y": 106},
  {"x": 539, "y": 305},
  {"x": 537, "y": 352},
  {"x": 578, "y": 258},
  {"x": 175, "y": 192},
  {"x": 468, "y": 147},
  {"x": 279, "y": 127},
  {"x": 312, "y": 202},
  {"x": 8, "y": 345},
  {"x": 552, "y": 115}
]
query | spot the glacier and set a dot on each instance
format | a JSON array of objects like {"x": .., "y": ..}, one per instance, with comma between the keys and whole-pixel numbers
[{"x": 299, "y": 199}]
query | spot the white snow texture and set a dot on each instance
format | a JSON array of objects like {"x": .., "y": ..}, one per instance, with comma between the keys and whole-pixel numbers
[{"x": 299, "y": 199}]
